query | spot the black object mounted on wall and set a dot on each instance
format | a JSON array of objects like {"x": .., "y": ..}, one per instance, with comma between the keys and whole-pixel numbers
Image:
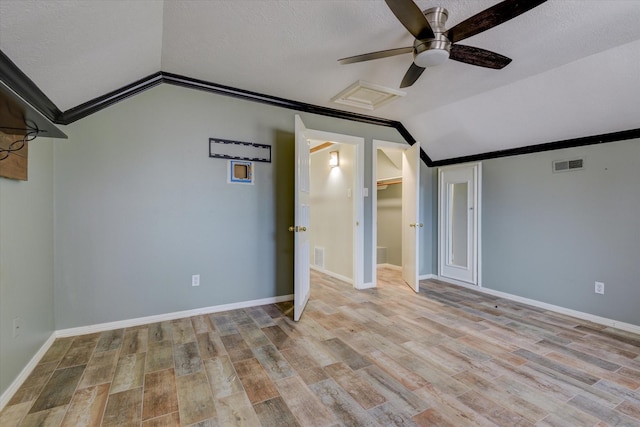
[
  {"x": 20, "y": 123},
  {"x": 238, "y": 150}
]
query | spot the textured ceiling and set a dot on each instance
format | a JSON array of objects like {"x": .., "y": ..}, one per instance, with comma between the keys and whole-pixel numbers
[{"x": 575, "y": 69}]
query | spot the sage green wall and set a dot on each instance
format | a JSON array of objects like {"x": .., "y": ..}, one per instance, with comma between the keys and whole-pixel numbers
[
  {"x": 549, "y": 236},
  {"x": 26, "y": 261},
  {"x": 140, "y": 206}
]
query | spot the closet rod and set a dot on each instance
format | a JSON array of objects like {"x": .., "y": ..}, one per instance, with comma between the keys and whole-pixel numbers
[{"x": 381, "y": 183}]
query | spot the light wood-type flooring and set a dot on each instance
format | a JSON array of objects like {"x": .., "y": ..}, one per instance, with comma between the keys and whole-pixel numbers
[{"x": 446, "y": 356}]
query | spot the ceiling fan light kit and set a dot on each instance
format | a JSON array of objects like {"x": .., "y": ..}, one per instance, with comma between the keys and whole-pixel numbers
[
  {"x": 434, "y": 44},
  {"x": 432, "y": 53},
  {"x": 435, "y": 51}
]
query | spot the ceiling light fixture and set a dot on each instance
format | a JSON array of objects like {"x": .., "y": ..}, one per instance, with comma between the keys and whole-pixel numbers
[
  {"x": 432, "y": 52},
  {"x": 431, "y": 58}
]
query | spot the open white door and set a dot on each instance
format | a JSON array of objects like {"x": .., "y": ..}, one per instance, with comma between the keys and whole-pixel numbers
[
  {"x": 301, "y": 288},
  {"x": 410, "y": 223}
]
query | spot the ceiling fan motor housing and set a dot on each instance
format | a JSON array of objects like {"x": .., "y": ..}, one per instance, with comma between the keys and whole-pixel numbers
[
  {"x": 437, "y": 18},
  {"x": 435, "y": 51}
]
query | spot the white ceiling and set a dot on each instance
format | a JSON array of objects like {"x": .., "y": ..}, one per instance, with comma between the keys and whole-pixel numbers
[{"x": 575, "y": 69}]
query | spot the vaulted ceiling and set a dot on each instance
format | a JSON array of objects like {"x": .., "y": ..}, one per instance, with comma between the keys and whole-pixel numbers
[{"x": 575, "y": 69}]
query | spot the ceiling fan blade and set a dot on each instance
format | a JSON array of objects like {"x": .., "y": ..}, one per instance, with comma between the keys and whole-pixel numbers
[
  {"x": 489, "y": 18},
  {"x": 376, "y": 55},
  {"x": 476, "y": 56},
  {"x": 411, "y": 76},
  {"x": 410, "y": 15}
]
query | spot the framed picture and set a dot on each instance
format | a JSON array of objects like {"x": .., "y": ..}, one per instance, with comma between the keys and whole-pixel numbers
[{"x": 240, "y": 172}]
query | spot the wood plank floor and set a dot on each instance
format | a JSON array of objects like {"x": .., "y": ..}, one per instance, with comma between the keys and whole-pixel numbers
[{"x": 447, "y": 356}]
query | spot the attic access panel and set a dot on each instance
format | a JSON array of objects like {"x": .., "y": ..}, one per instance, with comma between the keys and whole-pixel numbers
[{"x": 238, "y": 150}]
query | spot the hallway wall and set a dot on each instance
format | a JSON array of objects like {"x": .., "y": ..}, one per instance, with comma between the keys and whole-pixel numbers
[{"x": 332, "y": 209}]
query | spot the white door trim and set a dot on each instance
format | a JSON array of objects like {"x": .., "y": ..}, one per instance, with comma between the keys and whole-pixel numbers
[
  {"x": 377, "y": 143},
  {"x": 358, "y": 198}
]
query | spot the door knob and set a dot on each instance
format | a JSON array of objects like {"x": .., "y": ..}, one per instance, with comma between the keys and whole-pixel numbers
[
  {"x": 297, "y": 229},
  {"x": 303, "y": 228},
  {"x": 292, "y": 228}
]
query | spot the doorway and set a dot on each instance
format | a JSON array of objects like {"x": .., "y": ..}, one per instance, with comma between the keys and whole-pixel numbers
[
  {"x": 459, "y": 218},
  {"x": 301, "y": 242},
  {"x": 395, "y": 213},
  {"x": 332, "y": 209}
]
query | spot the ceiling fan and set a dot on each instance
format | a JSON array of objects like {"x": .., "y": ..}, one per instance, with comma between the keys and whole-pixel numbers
[{"x": 434, "y": 44}]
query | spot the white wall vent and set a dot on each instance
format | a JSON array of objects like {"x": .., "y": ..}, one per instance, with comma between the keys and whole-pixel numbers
[
  {"x": 318, "y": 257},
  {"x": 568, "y": 165}
]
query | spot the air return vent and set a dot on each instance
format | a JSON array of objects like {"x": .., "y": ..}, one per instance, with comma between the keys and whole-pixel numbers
[
  {"x": 318, "y": 257},
  {"x": 568, "y": 165},
  {"x": 366, "y": 95}
]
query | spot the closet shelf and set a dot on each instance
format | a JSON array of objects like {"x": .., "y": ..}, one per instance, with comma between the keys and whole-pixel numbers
[{"x": 389, "y": 181}]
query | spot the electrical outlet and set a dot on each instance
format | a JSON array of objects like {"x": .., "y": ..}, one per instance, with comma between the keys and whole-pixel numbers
[
  {"x": 17, "y": 327},
  {"x": 599, "y": 288},
  {"x": 195, "y": 280}
]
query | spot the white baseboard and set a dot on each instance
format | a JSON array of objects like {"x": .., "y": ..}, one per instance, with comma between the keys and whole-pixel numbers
[
  {"x": 101, "y": 327},
  {"x": 427, "y": 276},
  {"x": 26, "y": 371},
  {"x": 391, "y": 266},
  {"x": 332, "y": 274},
  {"x": 459, "y": 283},
  {"x": 558, "y": 309},
  {"x": 367, "y": 285}
]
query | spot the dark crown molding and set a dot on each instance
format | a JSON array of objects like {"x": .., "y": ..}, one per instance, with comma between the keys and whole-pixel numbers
[
  {"x": 275, "y": 101},
  {"x": 177, "y": 80},
  {"x": 93, "y": 106},
  {"x": 24, "y": 87},
  {"x": 556, "y": 145},
  {"x": 18, "y": 81},
  {"x": 148, "y": 82}
]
